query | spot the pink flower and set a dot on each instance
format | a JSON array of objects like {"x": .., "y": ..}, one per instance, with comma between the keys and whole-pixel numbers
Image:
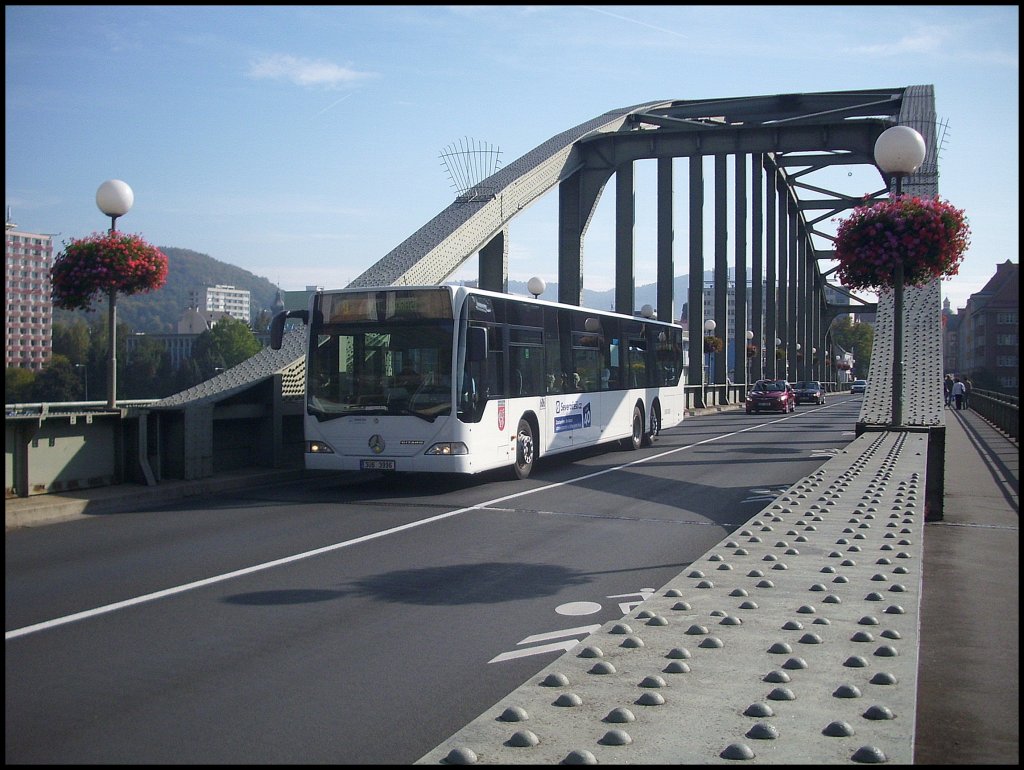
[
  {"x": 927, "y": 236},
  {"x": 90, "y": 268}
]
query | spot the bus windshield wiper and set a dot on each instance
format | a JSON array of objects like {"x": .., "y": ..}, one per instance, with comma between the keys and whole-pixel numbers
[{"x": 413, "y": 412}]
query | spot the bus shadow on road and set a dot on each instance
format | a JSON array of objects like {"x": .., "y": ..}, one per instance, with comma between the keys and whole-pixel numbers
[
  {"x": 455, "y": 584},
  {"x": 483, "y": 583}
]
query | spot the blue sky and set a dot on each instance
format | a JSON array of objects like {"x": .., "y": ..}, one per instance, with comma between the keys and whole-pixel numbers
[{"x": 303, "y": 143}]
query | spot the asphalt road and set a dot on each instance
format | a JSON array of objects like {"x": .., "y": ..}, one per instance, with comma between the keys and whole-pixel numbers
[{"x": 361, "y": 620}]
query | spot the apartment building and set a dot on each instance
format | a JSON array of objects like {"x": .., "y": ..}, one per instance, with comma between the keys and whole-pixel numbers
[
  {"x": 224, "y": 299},
  {"x": 28, "y": 308},
  {"x": 982, "y": 340}
]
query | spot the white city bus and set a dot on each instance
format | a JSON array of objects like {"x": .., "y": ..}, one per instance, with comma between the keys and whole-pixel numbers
[{"x": 459, "y": 380}]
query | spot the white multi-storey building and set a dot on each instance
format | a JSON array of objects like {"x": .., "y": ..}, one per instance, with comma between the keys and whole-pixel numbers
[
  {"x": 28, "y": 309},
  {"x": 226, "y": 299}
]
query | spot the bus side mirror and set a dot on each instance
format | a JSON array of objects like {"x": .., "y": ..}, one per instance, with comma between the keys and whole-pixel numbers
[
  {"x": 476, "y": 343},
  {"x": 277, "y": 325}
]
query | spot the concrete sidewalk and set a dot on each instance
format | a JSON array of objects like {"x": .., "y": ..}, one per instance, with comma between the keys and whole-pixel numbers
[
  {"x": 969, "y": 661},
  {"x": 38, "y": 510}
]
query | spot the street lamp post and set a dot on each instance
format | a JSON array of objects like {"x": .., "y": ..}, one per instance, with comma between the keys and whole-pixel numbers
[
  {"x": 749, "y": 335},
  {"x": 709, "y": 328},
  {"x": 114, "y": 198},
  {"x": 85, "y": 374},
  {"x": 899, "y": 152}
]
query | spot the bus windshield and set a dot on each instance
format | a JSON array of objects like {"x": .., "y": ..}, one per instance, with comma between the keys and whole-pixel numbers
[{"x": 381, "y": 352}]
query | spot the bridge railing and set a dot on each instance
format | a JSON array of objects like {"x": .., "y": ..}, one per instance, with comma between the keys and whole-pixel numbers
[
  {"x": 1000, "y": 409},
  {"x": 64, "y": 446}
]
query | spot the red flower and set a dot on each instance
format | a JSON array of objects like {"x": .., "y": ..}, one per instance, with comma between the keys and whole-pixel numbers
[
  {"x": 927, "y": 235},
  {"x": 90, "y": 268}
]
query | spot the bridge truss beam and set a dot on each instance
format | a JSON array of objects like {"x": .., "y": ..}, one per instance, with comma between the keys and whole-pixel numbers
[{"x": 775, "y": 142}]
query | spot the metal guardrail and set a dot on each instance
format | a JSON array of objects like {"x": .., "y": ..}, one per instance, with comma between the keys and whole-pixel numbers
[
  {"x": 68, "y": 407},
  {"x": 1000, "y": 409}
]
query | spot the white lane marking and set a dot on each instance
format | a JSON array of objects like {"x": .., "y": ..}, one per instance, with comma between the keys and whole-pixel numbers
[
  {"x": 54, "y": 623},
  {"x": 644, "y": 594},
  {"x": 540, "y": 649},
  {"x": 557, "y": 634},
  {"x": 578, "y": 608}
]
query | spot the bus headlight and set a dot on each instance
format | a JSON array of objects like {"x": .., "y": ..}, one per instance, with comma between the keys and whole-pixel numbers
[
  {"x": 448, "y": 448},
  {"x": 318, "y": 448}
]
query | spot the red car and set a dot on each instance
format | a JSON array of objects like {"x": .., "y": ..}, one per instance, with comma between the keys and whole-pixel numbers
[{"x": 771, "y": 396}]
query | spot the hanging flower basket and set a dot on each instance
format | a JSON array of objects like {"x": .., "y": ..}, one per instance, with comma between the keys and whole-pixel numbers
[
  {"x": 780, "y": 353},
  {"x": 843, "y": 366},
  {"x": 712, "y": 344},
  {"x": 752, "y": 351},
  {"x": 928, "y": 236},
  {"x": 91, "y": 268}
]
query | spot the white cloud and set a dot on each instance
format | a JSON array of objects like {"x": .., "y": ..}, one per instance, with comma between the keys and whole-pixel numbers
[
  {"x": 305, "y": 72},
  {"x": 925, "y": 41}
]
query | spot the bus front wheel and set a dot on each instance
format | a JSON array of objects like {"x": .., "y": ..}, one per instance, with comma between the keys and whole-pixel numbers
[{"x": 525, "y": 450}]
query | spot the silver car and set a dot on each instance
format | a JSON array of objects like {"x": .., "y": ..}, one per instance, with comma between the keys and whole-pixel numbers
[{"x": 859, "y": 386}]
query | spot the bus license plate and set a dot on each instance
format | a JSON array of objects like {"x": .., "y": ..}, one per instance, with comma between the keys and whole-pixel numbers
[{"x": 377, "y": 465}]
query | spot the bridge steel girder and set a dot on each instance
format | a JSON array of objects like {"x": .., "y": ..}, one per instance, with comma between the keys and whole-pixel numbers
[
  {"x": 799, "y": 122},
  {"x": 474, "y": 219},
  {"x": 785, "y": 136}
]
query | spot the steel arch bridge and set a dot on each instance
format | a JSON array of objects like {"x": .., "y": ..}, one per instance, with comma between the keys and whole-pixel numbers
[{"x": 775, "y": 143}]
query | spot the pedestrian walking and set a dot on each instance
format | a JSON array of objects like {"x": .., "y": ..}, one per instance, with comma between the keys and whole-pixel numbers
[
  {"x": 968, "y": 387},
  {"x": 947, "y": 388},
  {"x": 959, "y": 389}
]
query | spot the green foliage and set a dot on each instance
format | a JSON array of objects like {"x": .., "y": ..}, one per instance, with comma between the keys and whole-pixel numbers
[
  {"x": 144, "y": 374},
  {"x": 856, "y": 337},
  {"x": 58, "y": 381},
  {"x": 72, "y": 340},
  {"x": 157, "y": 312},
  {"x": 225, "y": 345},
  {"x": 18, "y": 384}
]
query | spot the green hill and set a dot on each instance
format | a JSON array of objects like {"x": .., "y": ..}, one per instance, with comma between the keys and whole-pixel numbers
[{"x": 158, "y": 312}]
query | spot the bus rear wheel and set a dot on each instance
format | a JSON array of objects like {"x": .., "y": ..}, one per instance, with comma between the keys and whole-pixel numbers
[
  {"x": 636, "y": 440},
  {"x": 525, "y": 450},
  {"x": 649, "y": 437}
]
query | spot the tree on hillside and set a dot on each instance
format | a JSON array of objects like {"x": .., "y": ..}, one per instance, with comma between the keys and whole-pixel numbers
[
  {"x": 142, "y": 370},
  {"x": 18, "y": 384},
  {"x": 72, "y": 340},
  {"x": 58, "y": 381},
  {"x": 857, "y": 337},
  {"x": 225, "y": 345}
]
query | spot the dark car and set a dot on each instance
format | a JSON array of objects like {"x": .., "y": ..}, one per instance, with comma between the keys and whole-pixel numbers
[
  {"x": 771, "y": 396},
  {"x": 809, "y": 392}
]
